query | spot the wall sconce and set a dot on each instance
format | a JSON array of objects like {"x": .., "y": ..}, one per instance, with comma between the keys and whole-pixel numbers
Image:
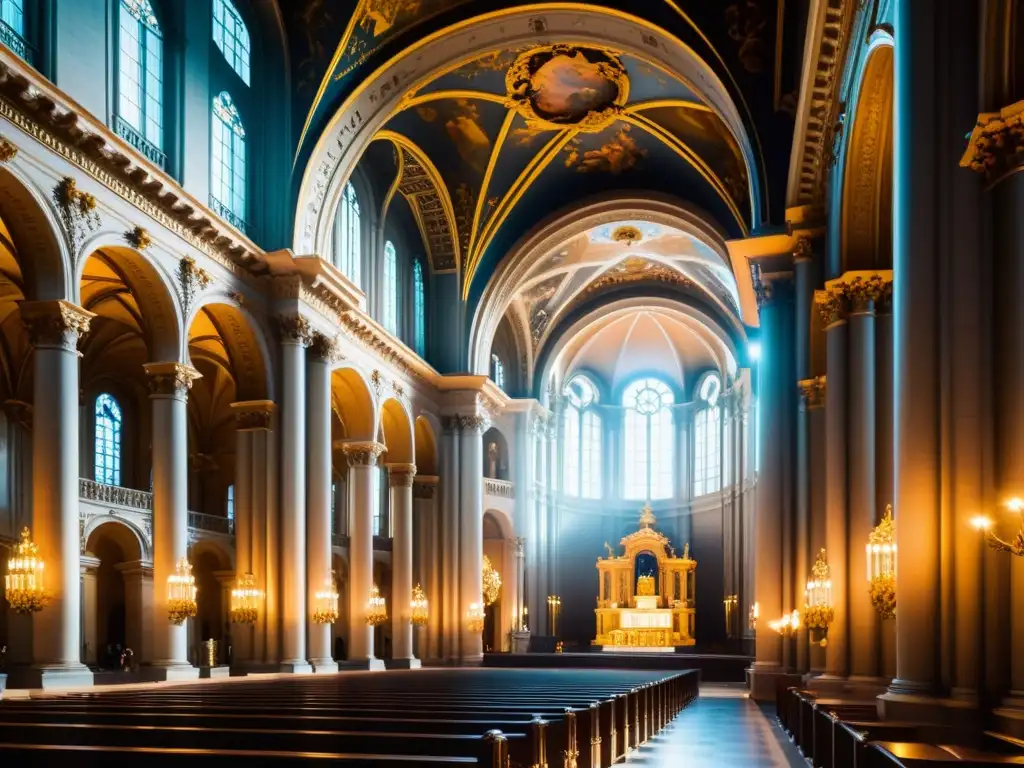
[
  {"x": 376, "y": 608},
  {"x": 732, "y": 603},
  {"x": 755, "y": 614},
  {"x": 818, "y": 611},
  {"x": 420, "y": 607},
  {"x": 554, "y": 608},
  {"x": 1015, "y": 547},
  {"x": 181, "y": 593},
  {"x": 491, "y": 582},
  {"x": 23, "y": 585},
  {"x": 788, "y": 625},
  {"x": 325, "y": 602},
  {"x": 245, "y": 600},
  {"x": 475, "y": 618},
  {"x": 881, "y": 565}
]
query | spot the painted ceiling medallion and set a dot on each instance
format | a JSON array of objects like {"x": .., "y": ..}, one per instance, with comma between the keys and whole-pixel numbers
[
  {"x": 627, "y": 234},
  {"x": 561, "y": 86}
]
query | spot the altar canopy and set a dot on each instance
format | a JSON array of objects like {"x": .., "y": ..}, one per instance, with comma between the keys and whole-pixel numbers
[{"x": 646, "y": 611}]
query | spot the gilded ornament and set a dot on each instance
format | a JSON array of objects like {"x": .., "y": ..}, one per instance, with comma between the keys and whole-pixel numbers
[
  {"x": 295, "y": 329},
  {"x": 491, "y": 582},
  {"x": 818, "y": 612},
  {"x": 192, "y": 280},
  {"x": 324, "y": 348},
  {"x": 7, "y": 151},
  {"x": 830, "y": 306},
  {"x": 376, "y": 608},
  {"x": 23, "y": 584},
  {"x": 995, "y": 148},
  {"x": 803, "y": 250},
  {"x": 138, "y": 238},
  {"x": 627, "y": 234},
  {"x": 362, "y": 454},
  {"x": 325, "y": 602},
  {"x": 181, "y": 594},
  {"x": 171, "y": 379},
  {"x": 420, "y": 607},
  {"x": 245, "y": 600},
  {"x": 55, "y": 324},
  {"x": 77, "y": 211}
]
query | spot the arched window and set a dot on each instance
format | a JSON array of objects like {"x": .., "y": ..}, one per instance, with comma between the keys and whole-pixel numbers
[
  {"x": 707, "y": 438},
  {"x": 581, "y": 468},
  {"x": 140, "y": 78},
  {"x": 107, "y": 453},
  {"x": 229, "y": 506},
  {"x": 390, "y": 288},
  {"x": 346, "y": 235},
  {"x": 227, "y": 183},
  {"x": 498, "y": 371},
  {"x": 649, "y": 446},
  {"x": 12, "y": 33},
  {"x": 232, "y": 37},
  {"x": 419, "y": 310}
]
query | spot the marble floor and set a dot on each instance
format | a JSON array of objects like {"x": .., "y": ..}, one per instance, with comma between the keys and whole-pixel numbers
[{"x": 722, "y": 728}]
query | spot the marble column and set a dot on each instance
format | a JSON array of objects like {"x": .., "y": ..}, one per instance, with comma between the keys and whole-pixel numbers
[
  {"x": 54, "y": 329},
  {"x": 243, "y": 513},
  {"x": 883, "y": 451},
  {"x": 805, "y": 275},
  {"x": 814, "y": 394},
  {"x": 89, "y": 608},
  {"x": 776, "y": 391},
  {"x": 471, "y": 531},
  {"x": 169, "y": 387},
  {"x": 296, "y": 335},
  {"x": 362, "y": 463},
  {"x": 424, "y": 495},
  {"x": 517, "y": 612},
  {"x": 448, "y": 594},
  {"x": 400, "y": 480},
  {"x": 322, "y": 354}
]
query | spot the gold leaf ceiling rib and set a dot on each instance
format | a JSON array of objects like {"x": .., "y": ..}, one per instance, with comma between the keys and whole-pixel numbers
[{"x": 492, "y": 161}]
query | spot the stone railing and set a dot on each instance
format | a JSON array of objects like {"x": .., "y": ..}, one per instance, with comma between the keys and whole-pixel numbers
[
  {"x": 211, "y": 523},
  {"x": 90, "y": 490},
  {"x": 503, "y": 489}
]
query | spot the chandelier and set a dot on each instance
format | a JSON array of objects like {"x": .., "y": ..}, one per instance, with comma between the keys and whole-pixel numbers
[
  {"x": 492, "y": 582},
  {"x": 475, "y": 618},
  {"x": 245, "y": 600},
  {"x": 325, "y": 602},
  {"x": 181, "y": 593},
  {"x": 787, "y": 625},
  {"x": 818, "y": 611},
  {"x": 376, "y": 608},
  {"x": 24, "y": 580},
  {"x": 420, "y": 607},
  {"x": 754, "y": 615},
  {"x": 1014, "y": 547},
  {"x": 881, "y": 563}
]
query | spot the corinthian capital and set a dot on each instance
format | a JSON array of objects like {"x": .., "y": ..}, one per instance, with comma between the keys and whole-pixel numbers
[
  {"x": 323, "y": 348},
  {"x": 812, "y": 391},
  {"x": 996, "y": 146},
  {"x": 362, "y": 454},
  {"x": 401, "y": 475},
  {"x": 253, "y": 415},
  {"x": 831, "y": 306},
  {"x": 171, "y": 379},
  {"x": 295, "y": 329},
  {"x": 57, "y": 324}
]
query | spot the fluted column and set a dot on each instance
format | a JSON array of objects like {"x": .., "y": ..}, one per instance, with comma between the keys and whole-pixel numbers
[
  {"x": 169, "y": 387},
  {"x": 54, "y": 330},
  {"x": 471, "y": 531},
  {"x": 322, "y": 354},
  {"x": 296, "y": 335},
  {"x": 400, "y": 480},
  {"x": 362, "y": 463},
  {"x": 424, "y": 495}
]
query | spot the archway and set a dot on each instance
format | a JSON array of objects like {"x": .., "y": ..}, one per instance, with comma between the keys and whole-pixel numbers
[
  {"x": 212, "y": 570},
  {"x": 496, "y": 455},
  {"x": 117, "y": 586},
  {"x": 499, "y": 547}
]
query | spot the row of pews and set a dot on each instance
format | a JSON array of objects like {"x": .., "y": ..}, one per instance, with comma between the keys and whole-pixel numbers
[
  {"x": 487, "y": 717},
  {"x": 836, "y": 733}
]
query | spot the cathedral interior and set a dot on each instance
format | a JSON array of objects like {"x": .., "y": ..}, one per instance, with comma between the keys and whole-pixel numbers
[{"x": 612, "y": 380}]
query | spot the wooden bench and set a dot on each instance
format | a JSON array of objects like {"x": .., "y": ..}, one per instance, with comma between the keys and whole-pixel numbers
[{"x": 887, "y": 754}]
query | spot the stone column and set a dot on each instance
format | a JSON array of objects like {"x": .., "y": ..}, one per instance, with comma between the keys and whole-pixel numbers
[
  {"x": 776, "y": 393},
  {"x": 471, "y": 531},
  {"x": 424, "y": 493},
  {"x": 813, "y": 392},
  {"x": 322, "y": 355},
  {"x": 169, "y": 386},
  {"x": 89, "y": 608},
  {"x": 883, "y": 449},
  {"x": 804, "y": 269},
  {"x": 54, "y": 329},
  {"x": 362, "y": 461},
  {"x": 831, "y": 304},
  {"x": 242, "y": 634},
  {"x": 138, "y": 598},
  {"x": 448, "y": 594},
  {"x": 517, "y": 617},
  {"x": 400, "y": 480},
  {"x": 296, "y": 335}
]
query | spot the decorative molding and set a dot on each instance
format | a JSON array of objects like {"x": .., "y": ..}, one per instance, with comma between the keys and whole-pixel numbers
[
  {"x": 295, "y": 329},
  {"x": 7, "y": 150},
  {"x": 853, "y": 292},
  {"x": 377, "y": 380},
  {"x": 995, "y": 148},
  {"x": 398, "y": 389},
  {"x": 359, "y": 328},
  {"x": 324, "y": 348},
  {"x": 401, "y": 475},
  {"x": 253, "y": 415},
  {"x": 138, "y": 238},
  {"x": 171, "y": 379},
  {"x": 114, "y": 494},
  {"x": 503, "y": 489},
  {"x": 77, "y": 210},
  {"x": 473, "y": 423},
  {"x": 362, "y": 454},
  {"x": 58, "y": 324},
  {"x": 192, "y": 281},
  {"x": 830, "y": 307}
]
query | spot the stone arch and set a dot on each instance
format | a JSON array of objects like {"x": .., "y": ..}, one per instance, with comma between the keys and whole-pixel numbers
[
  {"x": 245, "y": 339},
  {"x": 365, "y": 111},
  {"x": 425, "y": 446},
  {"x": 496, "y": 454},
  {"x": 396, "y": 426},
  {"x": 211, "y": 565},
  {"x": 116, "y": 617},
  {"x": 352, "y": 404},
  {"x": 138, "y": 547},
  {"x": 866, "y": 225}
]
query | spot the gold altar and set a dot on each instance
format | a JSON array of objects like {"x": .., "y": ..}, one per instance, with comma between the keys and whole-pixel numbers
[{"x": 649, "y": 611}]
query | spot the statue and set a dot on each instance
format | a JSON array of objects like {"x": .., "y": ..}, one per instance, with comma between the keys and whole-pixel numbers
[{"x": 492, "y": 461}]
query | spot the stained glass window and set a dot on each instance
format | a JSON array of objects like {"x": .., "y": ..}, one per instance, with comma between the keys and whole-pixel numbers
[
  {"x": 107, "y": 454},
  {"x": 707, "y": 437},
  {"x": 232, "y": 37},
  {"x": 581, "y": 440},
  {"x": 390, "y": 288},
  {"x": 227, "y": 183},
  {"x": 140, "y": 72},
  {"x": 649, "y": 445},
  {"x": 419, "y": 309},
  {"x": 346, "y": 235}
]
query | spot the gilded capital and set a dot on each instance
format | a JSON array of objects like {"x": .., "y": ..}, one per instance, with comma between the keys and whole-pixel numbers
[
  {"x": 401, "y": 475},
  {"x": 995, "y": 148},
  {"x": 424, "y": 486},
  {"x": 465, "y": 423},
  {"x": 171, "y": 379},
  {"x": 253, "y": 415},
  {"x": 812, "y": 391},
  {"x": 295, "y": 329},
  {"x": 55, "y": 324},
  {"x": 362, "y": 454},
  {"x": 326, "y": 349},
  {"x": 830, "y": 306}
]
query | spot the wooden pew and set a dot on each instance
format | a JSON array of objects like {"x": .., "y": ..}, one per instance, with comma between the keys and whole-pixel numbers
[{"x": 888, "y": 754}]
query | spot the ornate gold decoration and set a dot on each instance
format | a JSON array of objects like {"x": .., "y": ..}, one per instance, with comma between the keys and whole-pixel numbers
[
  {"x": 1016, "y": 545},
  {"x": 830, "y": 307},
  {"x": 401, "y": 475},
  {"x": 475, "y": 617},
  {"x": 77, "y": 211},
  {"x": 324, "y": 348},
  {"x": 491, "y": 582},
  {"x": 23, "y": 584},
  {"x": 377, "y": 380},
  {"x": 881, "y": 565},
  {"x": 788, "y": 625},
  {"x": 7, "y": 150},
  {"x": 645, "y": 586},
  {"x": 295, "y": 329},
  {"x": 55, "y": 323},
  {"x": 818, "y": 611},
  {"x": 557, "y": 86},
  {"x": 995, "y": 148},
  {"x": 181, "y": 593},
  {"x": 325, "y": 602},
  {"x": 192, "y": 280},
  {"x": 362, "y": 454},
  {"x": 376, "y": 608},
  {"x": 171, "y": 379},
  {"x": 419, "y": 607},
  {"x": 253, "y": 415},
  {"x": 138, "y": 238},
  {"x": 245, "y": 600},
  {"x": 635, "y": 269},
  {"x": 627, "y": 234}
]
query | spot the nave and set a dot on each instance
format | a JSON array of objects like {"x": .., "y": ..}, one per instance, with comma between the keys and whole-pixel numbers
[{"x": 447, "y": 717}]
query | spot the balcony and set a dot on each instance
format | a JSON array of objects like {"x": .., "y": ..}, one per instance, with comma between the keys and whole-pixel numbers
[
  {"x": 17, "y": 43},
  {"x": 143, "y": 145},
  {"x": 501, "y": 489},
  {"x": 228, "y": 215}
]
